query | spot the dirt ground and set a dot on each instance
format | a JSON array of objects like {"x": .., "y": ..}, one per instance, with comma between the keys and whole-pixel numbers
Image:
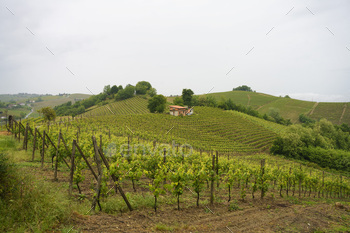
[
  {"x": 273, "y": 214},
  {"x": 280, "y": 217},
  {"x": 5, "y": 133}
]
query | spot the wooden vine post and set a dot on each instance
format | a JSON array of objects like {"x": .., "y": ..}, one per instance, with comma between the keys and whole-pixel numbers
[
  {"x": 43, "y": 150},
  {"x": 34, "y": 144},
  {"x": 323, "y": 184},
  {"x": 262, "y": 178},
  {"x": 164, "y": 161},
  {"x": 96, "y": 198},
  {"x": 115, "y": 179},
  {"x": 300, "y": 181},
  {"x": 71, "y": 175},
  {"x": 217, "y": 168},
  {"x": 57, "y": 154},
  {"x": 212, "y": 181},
  {"x": 19, "y": 130},
  {"x": 25, "y": 141}
]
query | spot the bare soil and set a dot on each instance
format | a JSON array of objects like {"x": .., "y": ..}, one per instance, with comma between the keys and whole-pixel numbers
[{"x": 5, "y": 133}]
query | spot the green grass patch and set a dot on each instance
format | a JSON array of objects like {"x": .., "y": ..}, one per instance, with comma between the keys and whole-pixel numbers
[{"x": 116, "y": 204}]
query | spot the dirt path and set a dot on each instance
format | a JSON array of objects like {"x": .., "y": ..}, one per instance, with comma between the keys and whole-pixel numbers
[
  {"x": 342, "y": 115},
  {"x": 313, "y": 108},
  {"x": 248, "y": 100},
  {"x": 277, "y": 216}
]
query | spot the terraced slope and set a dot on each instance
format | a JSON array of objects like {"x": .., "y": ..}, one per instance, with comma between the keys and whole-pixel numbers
[
  {"x": 332, "y": 112},
  {"x": 135, "y": 105},
  {"x": 252, "y": 99},
  {"x": 208, "y": 129},
  {"x": 289, "y": 108}
]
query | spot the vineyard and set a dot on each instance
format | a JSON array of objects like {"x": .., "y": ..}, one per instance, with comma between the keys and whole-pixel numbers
[
  {"x": 96, "y": 165},
  {"x": 208, "y": 129},
  {"x": 289, "y": 108},
  {"x": 135, "y": 105}
]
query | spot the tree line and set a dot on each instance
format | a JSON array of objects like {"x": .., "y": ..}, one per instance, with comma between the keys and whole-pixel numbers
[
  {"x": 109, "y": 93},
  {"x": 319, "y": 142}
]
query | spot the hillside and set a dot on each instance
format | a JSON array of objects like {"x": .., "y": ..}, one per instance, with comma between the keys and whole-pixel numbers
[
  {"x": 337, "y": 113},
  {"x": 54, "y": 100},
  {"x": 135, "y": 105},
  {"x": 36, "y": 102},
  {"x": 208, "y": 129}
]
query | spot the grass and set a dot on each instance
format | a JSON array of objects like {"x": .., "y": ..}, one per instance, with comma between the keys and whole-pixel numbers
[
  {"x": 29, "y": 203},
  {"x": 163, "y": 227},
  {"x": 116, "y": 204}
]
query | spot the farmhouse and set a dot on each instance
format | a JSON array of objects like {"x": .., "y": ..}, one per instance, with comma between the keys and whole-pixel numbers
[{"x": 176, "y": 110}]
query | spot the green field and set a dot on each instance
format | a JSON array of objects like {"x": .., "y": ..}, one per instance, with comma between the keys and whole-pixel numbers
[
  {"x": 135, "y": 105},
  {"x": 332, "y": 112},
  {"x": 252, "y": 99},
  {"x": 52, "y": 101},
  {"x": 287, "y": 107},
  {"x": 208, "y": 129}
]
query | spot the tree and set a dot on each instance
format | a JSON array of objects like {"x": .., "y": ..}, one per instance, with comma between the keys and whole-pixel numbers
[
  {"x": 157, "y": 104},
  {"x": 126, "y": 93},
  {"x": 275, "y": 114},
  {"x": 48, "y": 113},
  {"x": 107, "y": 90},
  {"x": 142, "y": 87},
  {"x": 242, "y": 88},
  {"x": 114, "y": 89},
  {"x": 305, "y": 119},
  {"x": 178, "y": 101},
  {"x": 187, "y": 97},
  {"x": 22, "y": 115},
  {"x": 152, "y": 92}
]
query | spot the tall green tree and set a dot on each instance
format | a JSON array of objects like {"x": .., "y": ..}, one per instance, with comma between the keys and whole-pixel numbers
[
  {"x": 126, "y": 93},
  {"x": 142, "y": 87},
  {"x": 187, "y": 97},
  {"x": 157, "y": 104},
  {"x": 242, "y": 88},
  {"x": 152, "y": 92},
  {"x": 48, "y": 113}
]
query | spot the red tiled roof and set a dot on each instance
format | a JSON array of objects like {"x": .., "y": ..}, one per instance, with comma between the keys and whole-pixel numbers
[{"x": 176, "y": 106}]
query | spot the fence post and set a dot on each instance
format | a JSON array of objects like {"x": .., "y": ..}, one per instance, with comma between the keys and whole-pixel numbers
[
  {"x": 96, "y": 198},
  {"x": 34, "y": 144},
  {"x": 25, "y": 140},
  {"x": 262, "y": 175},
  {"x": 43, "y": 150},
  {"x": 72, "y": 169},
  {"x": 57, "y": 153},
  {"x": 217, "y": 168},
  {"x": 212, "y": 180}
]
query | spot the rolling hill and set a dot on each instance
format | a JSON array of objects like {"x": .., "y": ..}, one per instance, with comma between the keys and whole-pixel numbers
[
  {"x": 209, "y": 129},
  {"x": 337, "y": 113}
]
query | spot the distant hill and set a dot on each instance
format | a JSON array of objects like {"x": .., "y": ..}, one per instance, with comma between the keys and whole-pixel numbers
[
  {"x": 24, "y": 102},
  {"x": 54, "y": 100},
  {"x": 337, "y": 113}
]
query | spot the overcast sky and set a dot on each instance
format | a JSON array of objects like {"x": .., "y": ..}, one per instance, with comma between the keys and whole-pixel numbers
[{"x": 299, "y": 48}]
